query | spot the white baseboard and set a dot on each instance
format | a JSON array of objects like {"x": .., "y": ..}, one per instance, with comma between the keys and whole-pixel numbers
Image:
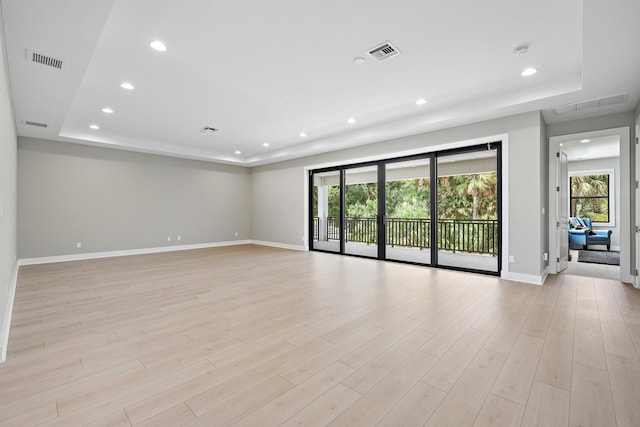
[
  {"x": 278, "y": 245},
  {"x": 6, "y": 322},
  {"x": 525, "y": 278},
  {"x": 143, "y": 251}
]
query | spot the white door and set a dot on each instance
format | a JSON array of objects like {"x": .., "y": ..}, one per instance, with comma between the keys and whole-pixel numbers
[
  {"x": 637, "y": 240},
  {"x": 562, "y": 211}
]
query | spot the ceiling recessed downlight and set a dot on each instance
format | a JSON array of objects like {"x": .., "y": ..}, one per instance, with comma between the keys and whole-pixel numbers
[
  {"x": 238, "y": 152},
  {"x": 421, "y": 101},
  {"x": 528, "y": 72},
  {"x": 158, "y": 45},
  {"x": 266, "y": 144},
  {"x": 302, "y": 134},
  {"x": 358, "y": 60},
  {"x": 584, "y": 141},
  {"x": 351, "y": 120},
  {"x": 94, "y": 127},
  {"x": 127, "y": 86},
  {"x": 107, "y": 110}
]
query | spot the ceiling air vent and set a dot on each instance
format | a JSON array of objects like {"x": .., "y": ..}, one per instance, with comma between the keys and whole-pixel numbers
[
  {"x": 36, "y": 124},
  {"x": 593, "y": 103},
  {"x": 40, "y": 58},
  {"x": 209, "y": 129},
  {"x": 384, "y": 51}
]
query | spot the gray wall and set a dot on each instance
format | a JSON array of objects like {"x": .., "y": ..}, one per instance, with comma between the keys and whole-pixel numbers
[
  {"x": 117, "y": 200},
  {"x": 608, "y": 163},
  {"x": 278, "y": 190},
  {"x": 7, "y": 184}
]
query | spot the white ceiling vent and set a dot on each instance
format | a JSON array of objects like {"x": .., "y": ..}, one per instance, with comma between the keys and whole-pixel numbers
[
  {"x": 209, "y": 129},
  {"x": 36, "y": 124},
  {"x": 594, "y": 103},
  {"x": 384, "y": 51},
  {"x": 43, "y": 59}
]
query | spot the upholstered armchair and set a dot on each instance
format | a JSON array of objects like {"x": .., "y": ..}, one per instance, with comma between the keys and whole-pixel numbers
[{"x": 582, "y": 233}]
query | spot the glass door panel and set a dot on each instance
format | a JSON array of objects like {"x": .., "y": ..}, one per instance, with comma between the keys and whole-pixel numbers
[
  {"x": 326, "y": 211},
  {"x": 467, "y": 228},
  {"x": 361, "y": 211},
  {"x": 407, "y": 211}
]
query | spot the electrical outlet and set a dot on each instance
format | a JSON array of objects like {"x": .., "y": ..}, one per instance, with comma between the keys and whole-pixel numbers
[
  {"x": 236, "y": 234},
  {"x": 168, "y": 238},
  {"x": 546, "y": 257},
  {"x": 512, "y": 259},
  {"x": 1, "y": 212},
  {"x": 179, "y": 237},
  {"x": 78, "y": 245}
]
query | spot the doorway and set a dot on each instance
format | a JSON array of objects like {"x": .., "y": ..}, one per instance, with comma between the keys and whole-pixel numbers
[{"x": 597, "y": 178}]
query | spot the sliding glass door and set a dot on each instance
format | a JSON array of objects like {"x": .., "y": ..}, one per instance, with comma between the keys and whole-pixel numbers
[
  {"x": 408, "y": 211},
  {"x": 361, "y": 211},
  {"x": 439, "y": 209},
  {"x": 325, "y": 211},
  {"x": 467, "y": 230}
]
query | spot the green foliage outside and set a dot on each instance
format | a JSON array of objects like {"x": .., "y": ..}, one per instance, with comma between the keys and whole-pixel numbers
[
  {"x": 590, "y": 197},
  {"x": 470, "y": 196},
  {"x": 460, "y": 197}
]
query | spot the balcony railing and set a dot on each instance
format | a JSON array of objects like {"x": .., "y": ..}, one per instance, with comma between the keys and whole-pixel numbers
[{"x": 478, "y": 236}]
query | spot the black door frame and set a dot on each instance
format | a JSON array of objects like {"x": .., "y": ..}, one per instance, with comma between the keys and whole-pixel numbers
[{"x": 433, "y": 183}]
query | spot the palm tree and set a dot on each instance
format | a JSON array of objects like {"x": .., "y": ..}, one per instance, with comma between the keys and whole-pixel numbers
[
  {"x": 479, "y": 184},
  {"x": 588, "y": 186}
]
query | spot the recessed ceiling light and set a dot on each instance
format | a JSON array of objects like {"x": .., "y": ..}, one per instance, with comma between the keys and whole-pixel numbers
[
  {"x": 351, "y": 120},
  {"x": 561, "y": 145},
  {"x": 238, "y": 152},
  {"x": 584, "y": 141},
  {"x": 127, "y": 85},
  {"x": 158, "y": 45},
  {"x": 266, "y": 144},
  {"x": 107, "y": 110},
  {"x": 421, "y": 101},
  {"x": 302, "y": 134},
  {"x": 358, "y": 60},
  {"x": 528, "y": 72},
  {"x": 94, "y": 127}
]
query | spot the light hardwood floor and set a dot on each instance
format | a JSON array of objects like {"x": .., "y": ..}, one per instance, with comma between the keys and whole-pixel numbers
[{"x": 249, "y": 336}]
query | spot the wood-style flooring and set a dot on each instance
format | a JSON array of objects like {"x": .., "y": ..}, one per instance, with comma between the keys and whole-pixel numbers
[{"x": 256, "y": 336}]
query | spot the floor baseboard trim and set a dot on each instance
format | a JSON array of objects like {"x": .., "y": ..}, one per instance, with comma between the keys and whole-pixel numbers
[
  {"x": 278, "y": 245},
  {"x": 525, "y": 278},
  {"x": 126, "y": 252},
  {"x": 6, "y": 322}
]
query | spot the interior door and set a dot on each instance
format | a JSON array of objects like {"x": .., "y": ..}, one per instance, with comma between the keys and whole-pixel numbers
[
  {"x": 562, "y": 208},
  {"x": 637, "y": 234}
]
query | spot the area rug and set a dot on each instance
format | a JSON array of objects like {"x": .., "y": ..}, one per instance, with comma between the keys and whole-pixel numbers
[{"x": 599, "y": 257}]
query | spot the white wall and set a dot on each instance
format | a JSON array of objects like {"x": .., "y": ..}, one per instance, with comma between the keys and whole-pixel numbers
[
  {"x": 111, "y": 200},
  {"x": 278, "y": 190},
  {"x": 7, "y": 194},
  {"x": 599, "y": 164}
]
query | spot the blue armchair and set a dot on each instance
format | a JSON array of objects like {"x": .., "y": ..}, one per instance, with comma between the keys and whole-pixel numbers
[{"x": 582, "y": 233}]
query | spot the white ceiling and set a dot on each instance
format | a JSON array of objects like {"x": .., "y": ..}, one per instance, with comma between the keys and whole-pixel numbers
[
  {"x": 267, "y": 71},
  {"x": 592, "y": 148}
]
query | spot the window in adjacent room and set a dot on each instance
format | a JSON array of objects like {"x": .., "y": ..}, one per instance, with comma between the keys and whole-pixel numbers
[{"x": 592, "y": 196}]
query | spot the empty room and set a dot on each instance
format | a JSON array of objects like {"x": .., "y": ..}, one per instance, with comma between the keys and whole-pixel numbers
[{"x": 319, "y": 213}]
